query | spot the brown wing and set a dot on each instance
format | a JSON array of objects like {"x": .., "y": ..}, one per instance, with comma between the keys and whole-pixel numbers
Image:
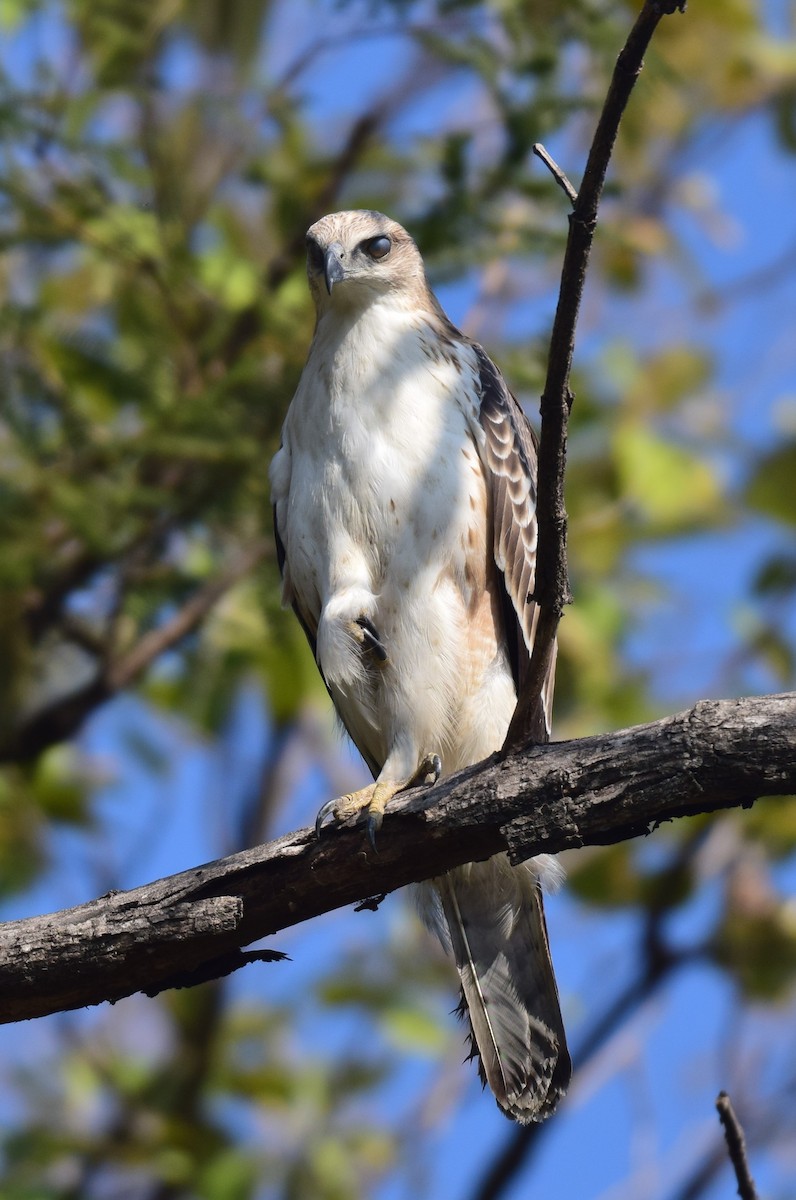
[{"x": 509, "y": 459}]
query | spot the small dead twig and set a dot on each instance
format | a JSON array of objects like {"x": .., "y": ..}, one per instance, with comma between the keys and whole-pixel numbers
[
  {"x": 736, "y": 1146},
  {"x": 556, "y": 172}
]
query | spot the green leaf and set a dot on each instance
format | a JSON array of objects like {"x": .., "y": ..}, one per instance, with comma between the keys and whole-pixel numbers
[
  {"x": 772, "y": 822},
  {"x": 60, "y": 784},
  {"x": 415, "y": 1030},
  {"x": 760, "y": 950},
  {"x": 606, "y": 878},
  {"x": 234, "y": 280},
  {"x": 230, "y": 1175},
  {"x": 132, "y": 231},
  {"x": 771, "y": 489},
  {"x": 669, "y": 377},
  {"x": 12, "y": 12},
  {"x": 777, "y": 576},
  {"x": 610, "y": 878},
  {"x": 673, "y": 488}
]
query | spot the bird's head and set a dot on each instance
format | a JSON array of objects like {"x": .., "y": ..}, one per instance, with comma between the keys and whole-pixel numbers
[{"x": 354, "y": 258}]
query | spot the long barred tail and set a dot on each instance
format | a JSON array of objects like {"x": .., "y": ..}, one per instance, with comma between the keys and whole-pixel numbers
[{"x": 494, "y": 925}]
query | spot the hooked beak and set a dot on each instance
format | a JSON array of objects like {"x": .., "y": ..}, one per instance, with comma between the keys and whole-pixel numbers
[{"x": 333, "y": 269}]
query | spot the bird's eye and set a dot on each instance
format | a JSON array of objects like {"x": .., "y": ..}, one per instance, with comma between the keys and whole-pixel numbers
[
  {"x": 378, "y": 247},
  {"x": 314, "y": 255}
]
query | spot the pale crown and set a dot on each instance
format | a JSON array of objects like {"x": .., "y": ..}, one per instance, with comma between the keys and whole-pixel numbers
[{"x": 356, "y": 257}]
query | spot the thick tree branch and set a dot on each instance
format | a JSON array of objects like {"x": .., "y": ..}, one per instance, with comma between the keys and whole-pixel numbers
[
  {"x": 551, "y": 588},
  {"x": 596, "y": 790}
]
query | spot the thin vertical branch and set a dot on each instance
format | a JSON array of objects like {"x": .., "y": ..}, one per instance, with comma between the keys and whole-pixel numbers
[{"x": 551, "y": 591}]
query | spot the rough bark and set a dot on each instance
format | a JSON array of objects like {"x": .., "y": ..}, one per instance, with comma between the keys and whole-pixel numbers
[{"x": 596, "y": 790}]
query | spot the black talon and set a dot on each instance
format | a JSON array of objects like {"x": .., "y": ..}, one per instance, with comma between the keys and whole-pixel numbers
[
  {"x": 323, "y": 812},
  {"x": 431, "y": 768},
  {"x": 374, "y": 825},
  {"x": 370, "y": 635}
]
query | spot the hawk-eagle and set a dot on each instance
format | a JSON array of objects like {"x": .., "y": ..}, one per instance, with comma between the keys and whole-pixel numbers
[{"x": 404, "y": 505}]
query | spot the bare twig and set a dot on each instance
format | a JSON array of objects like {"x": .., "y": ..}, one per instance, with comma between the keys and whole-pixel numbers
[
  {"x": 551, "y": 589},
  {"x": 556, "y": 172},
  {"x": 595, "y": 791},
  {"x": 153, "y": 644},
  {"x": 736, "y": 1147},
  {"x": 64, "y": 716}
]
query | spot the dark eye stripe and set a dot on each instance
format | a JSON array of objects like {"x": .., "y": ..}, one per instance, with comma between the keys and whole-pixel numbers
[{"x": 378, "y": 247}]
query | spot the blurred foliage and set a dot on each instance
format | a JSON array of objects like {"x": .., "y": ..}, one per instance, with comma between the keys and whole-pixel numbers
[{"x": 160, "y": 162}]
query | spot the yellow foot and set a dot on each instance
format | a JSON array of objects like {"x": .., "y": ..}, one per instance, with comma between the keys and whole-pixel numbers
[{"x": 376, "y": 796}]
